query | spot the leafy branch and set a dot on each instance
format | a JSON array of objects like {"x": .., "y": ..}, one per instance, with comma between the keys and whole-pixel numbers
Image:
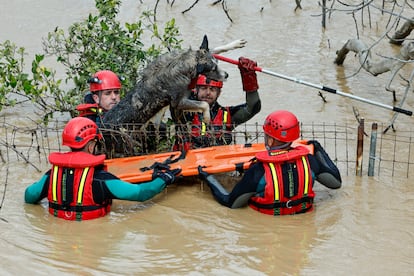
[{"x": 98, "y": 42}]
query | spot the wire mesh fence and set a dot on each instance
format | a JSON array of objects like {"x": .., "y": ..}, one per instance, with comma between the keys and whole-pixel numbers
[{"x": 375, "y": 153}]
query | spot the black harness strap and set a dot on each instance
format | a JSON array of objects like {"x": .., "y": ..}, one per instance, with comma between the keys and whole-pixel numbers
[
  {"x": 239, "y": 167},
  {"x": 165, "y": 164},
  {"x": 75, "y": 208},
  {"x": 287, "y": 204}
]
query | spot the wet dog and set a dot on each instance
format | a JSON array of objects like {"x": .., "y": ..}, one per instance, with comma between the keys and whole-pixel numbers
[{"x": 167, "y": 81}]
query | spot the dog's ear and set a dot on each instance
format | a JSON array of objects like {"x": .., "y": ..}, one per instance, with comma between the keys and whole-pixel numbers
[{"x": 204, "y": 44}]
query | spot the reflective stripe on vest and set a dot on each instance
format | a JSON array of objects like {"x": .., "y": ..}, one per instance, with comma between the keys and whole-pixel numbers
[
  {"x": 284, "y": 195},
  {"x": 225, "y": 117},
  {"x": 203, "y": 129},
  {"x": 54, "y": 183},
  {"x": 82, "y": 185},
  {"x": 80, "y": 189},
  {"x": 275, "y": 181},
  {"x": 306, "y": 175},
  {"x": 70, "y": 190}
]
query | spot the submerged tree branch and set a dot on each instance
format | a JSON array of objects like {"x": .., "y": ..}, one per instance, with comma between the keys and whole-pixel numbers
[{"x": 386, "y": 64}]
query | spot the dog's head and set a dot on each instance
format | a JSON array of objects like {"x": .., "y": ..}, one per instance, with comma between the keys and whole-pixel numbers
[{"x": 207, "y": 64}]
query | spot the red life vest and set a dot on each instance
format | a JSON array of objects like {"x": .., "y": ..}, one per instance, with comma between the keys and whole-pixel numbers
[
  {"x": 88, "y": 109},
  {"x": 220, "y": 123},
  {"x": 221, "y": 126},
  {"x": 70, "y": 187},
  {"x": 279, "y": 198}
]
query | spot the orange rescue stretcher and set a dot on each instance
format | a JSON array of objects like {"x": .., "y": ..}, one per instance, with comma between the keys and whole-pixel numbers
[{"x": 216, "y": 159}]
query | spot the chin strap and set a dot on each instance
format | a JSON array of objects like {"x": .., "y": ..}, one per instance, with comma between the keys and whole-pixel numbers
[{"x": 283, "y": 146}]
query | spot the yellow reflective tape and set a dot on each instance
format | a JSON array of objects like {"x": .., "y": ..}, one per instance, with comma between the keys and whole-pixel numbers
[
  {"x": 82, "y": 185},
  {"x": 96, "y": 110},
  {"x": 275, "y": 182},
  {"x": 225, "y": 117},
  {"x": 54, "y": 182},
  {"x": 203, "y": 128},
  {"x": 306, "y": 170}
]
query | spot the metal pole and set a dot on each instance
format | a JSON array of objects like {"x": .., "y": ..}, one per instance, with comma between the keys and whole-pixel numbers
[
  {"x": 320, "y": 87},
  {"x": 360, "y": 148},
  {"x": 372, "y": 149}
]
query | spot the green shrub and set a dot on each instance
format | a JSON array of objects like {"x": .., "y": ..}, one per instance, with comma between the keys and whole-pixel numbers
[{"x": 99, "y": 42}]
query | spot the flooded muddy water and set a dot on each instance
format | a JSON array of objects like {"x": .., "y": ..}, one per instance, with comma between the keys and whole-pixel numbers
[{"x": 364, "y": 228}]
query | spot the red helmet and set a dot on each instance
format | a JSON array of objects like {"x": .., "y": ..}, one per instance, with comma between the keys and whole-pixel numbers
[
  {"x": 79, "y": 131},
  {"x": 104, "y": 80},
  {"x": 203, "y": 80},
  {"x": 282, "y": 125}
]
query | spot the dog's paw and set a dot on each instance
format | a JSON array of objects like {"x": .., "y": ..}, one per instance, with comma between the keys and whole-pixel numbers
[
  {"x": 207, "y": 120},
  {"x": 240, "y": 43},
  {"x": 205, "y": 108},
  {"x": 206, "y": 117}
]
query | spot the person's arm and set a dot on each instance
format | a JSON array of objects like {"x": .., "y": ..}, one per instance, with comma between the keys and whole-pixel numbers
[
  {"x": 326, "y": 171},
  {"x": 118, "y": 189},
  {"x": 250, "y": 86},
  {"x": 38, "y": 190},
  {"x": 247, "y": 186},
  {"x": 135, "y": 192},
  {"x": 244, "y": 112},
  {"x": 242, "y": 191}
]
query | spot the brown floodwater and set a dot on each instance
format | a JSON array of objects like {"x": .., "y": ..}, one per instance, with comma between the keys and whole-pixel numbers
[{"x": 364, "y": 228}]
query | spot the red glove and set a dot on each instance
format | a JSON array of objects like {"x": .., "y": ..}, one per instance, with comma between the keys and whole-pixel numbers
[{"x": 248, "y": 74}]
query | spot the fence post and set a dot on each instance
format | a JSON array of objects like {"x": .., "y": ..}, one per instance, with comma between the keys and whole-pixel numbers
[
  {"x": 372, "y": 149},
  {"x": 360, "y": 148}
]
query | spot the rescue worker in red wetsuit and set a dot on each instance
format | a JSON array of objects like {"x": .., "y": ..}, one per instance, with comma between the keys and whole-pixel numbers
[
  {"x": 281, "y": 181},
  {"x": 104, "y": 87},
  {"x": 223, "y": 119},
  {"x": 78, "y": 188}
]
